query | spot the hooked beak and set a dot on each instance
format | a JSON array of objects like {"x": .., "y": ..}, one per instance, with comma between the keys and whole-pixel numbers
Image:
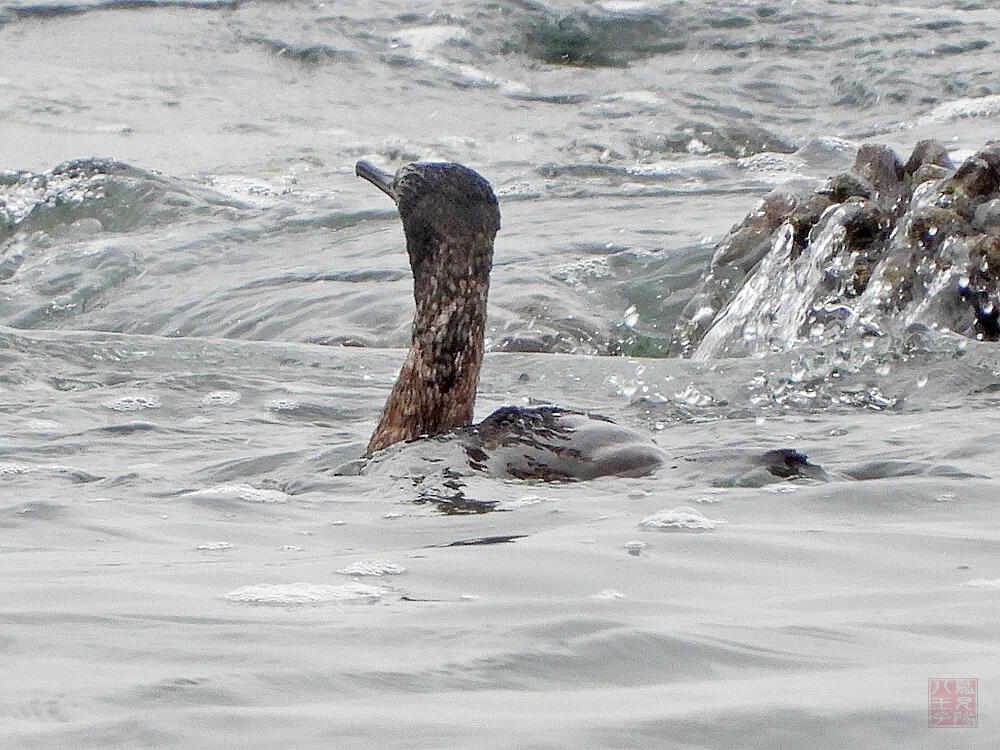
[{"x": 382, "y": 180}]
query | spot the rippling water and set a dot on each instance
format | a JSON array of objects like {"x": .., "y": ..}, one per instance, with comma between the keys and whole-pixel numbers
[{"x": 202, "y": 310}]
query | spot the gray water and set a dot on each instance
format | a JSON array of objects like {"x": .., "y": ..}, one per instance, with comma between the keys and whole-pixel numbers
[{"x": 202, "y": 312}]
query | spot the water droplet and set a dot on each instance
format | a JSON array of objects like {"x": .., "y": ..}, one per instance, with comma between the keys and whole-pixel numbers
[
  {"x": 693, "y": 397},
  {"x": 697, "y": 146}
]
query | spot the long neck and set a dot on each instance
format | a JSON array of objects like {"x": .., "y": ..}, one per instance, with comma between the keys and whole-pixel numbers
[{"x": 436, "y": 388}]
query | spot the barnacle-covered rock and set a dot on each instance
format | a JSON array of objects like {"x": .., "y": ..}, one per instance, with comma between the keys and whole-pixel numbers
[{"x": 883, "y": 245}]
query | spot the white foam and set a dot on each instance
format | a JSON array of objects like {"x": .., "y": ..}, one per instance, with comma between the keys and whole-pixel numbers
[
  {"x": 960, "y": 109},
  {"x": 372, "y": 568},
  {"x": 297, "y": 594},
  {"x": 220, "y": 398},
  {"x": 680, "y": 519},
  {"x": 249, "y": 189},
  {"x": 697, "y": 146},
  {"x": 647, "y": 98},
  {"x": 765, "y": 164},
  {"x": 609, "y": 595},
  {"x": 521, "y": 502},
  {"x": 133, "y": 403},
  {"x": 655, "y": 169},
  {"x": 244, "y": 492},
  {"x": 623, "y": 6},
  {"x": 215, "y": 546},
  {"x": 589, "y": 268},
  {"x": 421, "y": 42},
  {"x": 710, "y": 496},
  {"x": 422, "y": 39},
  {"x": 15, "y": 470}
]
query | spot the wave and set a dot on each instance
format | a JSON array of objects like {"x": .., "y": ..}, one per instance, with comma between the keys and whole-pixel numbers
[{"x": 58, "y": 9}]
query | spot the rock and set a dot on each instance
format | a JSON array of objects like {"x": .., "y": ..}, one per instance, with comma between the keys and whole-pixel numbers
[{"x": 886, "y": 244}]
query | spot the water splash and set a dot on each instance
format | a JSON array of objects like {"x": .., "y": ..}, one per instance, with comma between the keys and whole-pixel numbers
[{"x": 875, "y": 252}]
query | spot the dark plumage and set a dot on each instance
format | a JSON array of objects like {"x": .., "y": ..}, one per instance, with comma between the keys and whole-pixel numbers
[{"x": 450, "y": 218}]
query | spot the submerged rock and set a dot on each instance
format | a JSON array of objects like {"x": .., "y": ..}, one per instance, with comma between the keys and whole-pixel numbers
[{"x": 880, "y": 247}]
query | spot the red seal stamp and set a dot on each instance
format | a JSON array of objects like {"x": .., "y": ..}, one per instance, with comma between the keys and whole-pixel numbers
[{"x": 952, "y": 702}]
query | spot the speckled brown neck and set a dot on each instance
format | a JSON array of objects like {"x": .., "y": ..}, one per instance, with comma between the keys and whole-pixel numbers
[
  {"x": 450, "y": 218},
  {"x": 436, "y": 388}
]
